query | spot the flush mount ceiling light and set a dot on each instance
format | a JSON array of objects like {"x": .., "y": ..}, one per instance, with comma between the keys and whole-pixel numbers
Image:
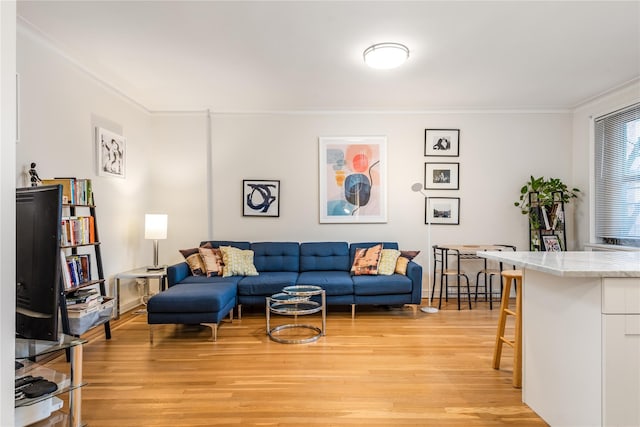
[{"x": 384, "y": 56}]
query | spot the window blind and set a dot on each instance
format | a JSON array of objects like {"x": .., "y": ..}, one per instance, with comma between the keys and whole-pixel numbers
[{"x": 617, "y": 177}]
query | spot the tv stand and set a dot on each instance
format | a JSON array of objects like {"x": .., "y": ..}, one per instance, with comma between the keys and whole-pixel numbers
[{"x": 29, "y": 349}]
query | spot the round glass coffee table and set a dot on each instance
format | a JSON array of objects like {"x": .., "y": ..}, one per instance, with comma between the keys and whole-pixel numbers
[{"x": 296, "y": 301}]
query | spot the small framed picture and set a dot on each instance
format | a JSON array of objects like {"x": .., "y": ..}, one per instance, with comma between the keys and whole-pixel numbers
[
  {"x": 442, "y": 210},
  {"x": 111, "y": 153},
  {"x": 441, "y": 176},
  {"x": 551, "y": 243},
  {"x": 442, "y": 142},
  {"x": 260, "y": 197}
]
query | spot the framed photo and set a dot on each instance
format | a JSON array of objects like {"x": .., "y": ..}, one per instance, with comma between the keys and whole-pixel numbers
[
  {"x": 551, "y": 243},
  {"x": 441, "y": 176},
  {"x": 442, "y": 142},
  {"x": 442, "y": 210},
  {"x": 260, "y": 197},
  {"x": 353, "y": 179},
  {"x": 111, "y": 153}
]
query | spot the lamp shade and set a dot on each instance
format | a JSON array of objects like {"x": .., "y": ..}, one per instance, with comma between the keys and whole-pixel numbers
[
  {"x": 385, "y": 56},
  {"x": 155, "y": 226}
]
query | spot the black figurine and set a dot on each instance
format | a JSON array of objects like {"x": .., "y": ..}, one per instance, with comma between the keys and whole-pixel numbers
[{"x": 35, "y": 179}]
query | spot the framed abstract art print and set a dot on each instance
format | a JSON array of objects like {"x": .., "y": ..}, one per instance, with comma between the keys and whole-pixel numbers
[{"x": 353, "y": 179}]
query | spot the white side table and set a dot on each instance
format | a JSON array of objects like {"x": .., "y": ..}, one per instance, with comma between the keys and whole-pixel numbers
[{"x": 140, "y": 273}]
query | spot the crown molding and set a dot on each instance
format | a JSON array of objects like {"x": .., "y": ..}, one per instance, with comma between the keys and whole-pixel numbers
[{"x": 26, "y": 28}]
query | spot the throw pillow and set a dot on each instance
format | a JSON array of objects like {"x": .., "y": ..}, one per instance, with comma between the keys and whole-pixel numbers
[
  {"x": 409, "y": 254},
  {"x": 401, "y": 265},
  {"x": 388, "y": 260},
  {"x": 192, "y": 257},
  {"x": 403, "y": 261},
  {"x": 237, "y": 262},
  {"x": 212, "y": 260},
  {"x": 366, "y": 260}
]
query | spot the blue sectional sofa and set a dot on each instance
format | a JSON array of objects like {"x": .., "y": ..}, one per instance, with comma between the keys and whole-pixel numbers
[{"x": 280, "y": 264}]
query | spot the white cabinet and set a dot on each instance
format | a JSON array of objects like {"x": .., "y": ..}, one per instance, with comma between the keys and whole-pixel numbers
[
  {"x": 621, "y": 352},
  {"x": 581, "y": 336}
]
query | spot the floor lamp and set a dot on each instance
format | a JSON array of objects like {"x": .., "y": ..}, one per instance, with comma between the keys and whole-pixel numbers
[{"x": 417, "y": 187}]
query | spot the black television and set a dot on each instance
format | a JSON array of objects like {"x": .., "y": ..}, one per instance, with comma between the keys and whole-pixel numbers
[{"x": 38, "y": 217}]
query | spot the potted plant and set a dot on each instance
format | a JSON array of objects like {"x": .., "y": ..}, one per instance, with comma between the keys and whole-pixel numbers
[
  {"x": 539, "y": 200},
  {"x": 548, "y": 191}
]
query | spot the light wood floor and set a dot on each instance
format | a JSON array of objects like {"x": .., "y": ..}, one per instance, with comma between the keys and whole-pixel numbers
[{"x": 385, "y": 368}]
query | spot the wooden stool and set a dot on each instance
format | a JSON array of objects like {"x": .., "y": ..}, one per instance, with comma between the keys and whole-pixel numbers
[{"x": 509, "y": 276}]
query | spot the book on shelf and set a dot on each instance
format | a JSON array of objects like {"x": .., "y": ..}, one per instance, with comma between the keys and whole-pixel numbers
[
  {"x": 557, "y": 216},
  {"x": 68, "y": 188},
  {"x": 92, "y": 229},
  {"x": 75, "y": 305},
  {"x": 96, "y": 305},
  {"x": 66, "y": 274},
  {"x": 84, "y": 295},
  {"x": 545, "y": 216},
  {"x": 77, "y": 230},
  {"x": 83, "y": 192},
  {"x": 76, "y": 269},
  {"x": 74, "y": 191},
  {"x": 83, "y": 298}
]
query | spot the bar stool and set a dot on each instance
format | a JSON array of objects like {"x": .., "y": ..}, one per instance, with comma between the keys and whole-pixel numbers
[
  {"x": 509, "y": 276},
  {"x": 489, "y": 273}
]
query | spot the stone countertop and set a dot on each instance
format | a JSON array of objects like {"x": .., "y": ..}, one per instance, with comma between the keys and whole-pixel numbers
[{"x": 572, "y": 264}]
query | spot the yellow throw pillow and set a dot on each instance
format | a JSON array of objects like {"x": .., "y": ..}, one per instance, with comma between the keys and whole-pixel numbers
[
  {"x": 237, "y": 262},
  {"x": 212, "y": 260},
  {"x": 365, "y": 260},
  {"x": 403, "y": 261},
  {"x": 401, "y": 265},
  {"x": 388, "y": 261}
]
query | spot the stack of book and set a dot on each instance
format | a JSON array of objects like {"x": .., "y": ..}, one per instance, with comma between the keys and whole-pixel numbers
[
  {"x": 83, "y": 301},
  {"x": 76, "y": 269},
  {"x": 77, "y": 230}
]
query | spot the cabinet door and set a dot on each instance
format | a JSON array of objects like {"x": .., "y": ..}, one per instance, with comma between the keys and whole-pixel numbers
[{"x": 621, "y": 370}]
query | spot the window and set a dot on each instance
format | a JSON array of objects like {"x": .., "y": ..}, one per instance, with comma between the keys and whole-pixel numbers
[{"x": 617, "y": 177}]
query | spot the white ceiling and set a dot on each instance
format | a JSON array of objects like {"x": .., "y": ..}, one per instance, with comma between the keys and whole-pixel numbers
[{"x": 307, "y": 55}]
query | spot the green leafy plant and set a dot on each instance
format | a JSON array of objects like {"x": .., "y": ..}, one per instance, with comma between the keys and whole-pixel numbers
[{"x": 547, "y": 192}]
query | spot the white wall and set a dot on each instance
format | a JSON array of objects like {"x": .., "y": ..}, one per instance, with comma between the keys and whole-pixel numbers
[
  {"x": 582, "y": 155},
  {"x": 60, "y": 106},
  {"x": 498, "y": 152},
  {"x": 7, "y": 206},
  {"x": 180, "y": 181}
]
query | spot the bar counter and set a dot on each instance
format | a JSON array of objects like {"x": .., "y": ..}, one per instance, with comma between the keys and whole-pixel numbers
[{"x": 580, "y": 334}]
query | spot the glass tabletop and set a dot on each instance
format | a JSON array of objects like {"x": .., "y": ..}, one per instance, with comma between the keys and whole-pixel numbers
[
  {"x": 295, "y": 308},
  {"x": 26, "y": 348},
  {"x": 287, "y": 298},
  {"x": 302, "y": 290}
]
